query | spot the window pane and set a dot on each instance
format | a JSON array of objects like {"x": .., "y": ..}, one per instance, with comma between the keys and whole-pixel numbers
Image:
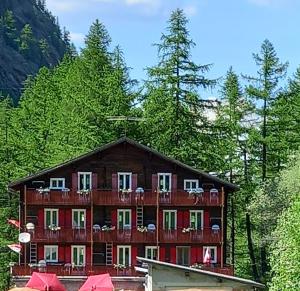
[
  {"x": 81, "y": 256},
  {"x": 127, "y": 182},
  {"x": 121, "y": 259},
  {"x": 48, "y": 218},
  {"x": 88, "y": 181},
  {"x": 127, "y": 217},
  {"x": 121, "y": 220},
  {"x": 172, "y": 220},
  {"x": 54, "y": 217},
  {"x": 121, "y": 182},
  {"x": 161, "y": 182},
  {"x": 167, "y": 182},
  {"x": 198, "y": 220},
  {"x": 192, "y": 220},
  {"x": 166, "y": 220},
  {"x": 126, "y": 256},
  {"x": 75, "y": 257}
]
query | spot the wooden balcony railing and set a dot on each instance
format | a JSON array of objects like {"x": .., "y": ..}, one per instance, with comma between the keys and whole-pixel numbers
[
  {"x": 68, "y": 270},
  {"x": 65, "y": 234},
  {"x": 108, "y": 197}
]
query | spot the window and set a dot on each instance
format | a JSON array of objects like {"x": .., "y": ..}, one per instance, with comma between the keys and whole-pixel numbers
[
  {"x": 124, "y": 255},
  {"x": 51, "y": 253},
  {"x": 124, "y": 181},
  {"x": 151, "y": 253},
  {"x": 191, "y": 184},
  {"x": 164, "y": 181},
  {"x": 57, "y": 183},
  {"x": 170, "y": 219},
  {"x": 78, "y": 255},
  {"x": 84, "y": 181},
  {"x": 196, "y": 219},
  {"x": 51, "y": 217},
  {"x": 124, "y": 218},
  {"x": 213, "y": 253},
  {"x": 183, "y": 256},
  {"x": 78, "y": 218}
]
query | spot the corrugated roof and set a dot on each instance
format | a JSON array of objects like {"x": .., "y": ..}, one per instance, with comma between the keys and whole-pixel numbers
[
  {"x": 203, "y": 272},
  {"x": 134, "y": 143}
]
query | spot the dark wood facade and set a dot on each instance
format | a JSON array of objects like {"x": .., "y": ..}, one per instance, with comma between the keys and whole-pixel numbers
[{"x": 102, "y": 234}]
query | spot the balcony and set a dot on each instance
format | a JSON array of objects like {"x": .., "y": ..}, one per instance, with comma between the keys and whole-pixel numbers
[
  {"x": 67, "y": 270},
  {"x": 108, "y": 197},
  {"x": 65, "y": 234}
]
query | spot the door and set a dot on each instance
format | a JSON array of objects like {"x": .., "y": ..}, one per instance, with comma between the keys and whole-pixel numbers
[
  {"x": 51, "y": 217},
  {"x": 170, "y": 221},
  {"x": 183, "y": 256},
  {"x": 124, "y": 255},
  {"x": 84, "y": 181},
  {"x": 196, "y": 219},
  {"x": 79, "y": 218},
  {"x": 124, "y": 219},
  {"x": 78, "y": 255}
]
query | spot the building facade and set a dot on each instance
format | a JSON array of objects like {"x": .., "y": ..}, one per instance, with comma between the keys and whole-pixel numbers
[{"x": 98, "y": 212}]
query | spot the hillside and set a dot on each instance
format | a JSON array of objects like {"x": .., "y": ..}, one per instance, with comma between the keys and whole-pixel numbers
[{"x": 29, "y": 38}]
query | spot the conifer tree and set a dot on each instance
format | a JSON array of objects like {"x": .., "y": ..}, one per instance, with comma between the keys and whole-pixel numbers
[
  {"x": 26, "y": 39},
  {"x": 173, "y": 112}
]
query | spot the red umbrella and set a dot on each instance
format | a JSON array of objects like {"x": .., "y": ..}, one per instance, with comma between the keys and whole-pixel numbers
[
  {"x": 45, "y": 282},
  {"x": 98, "y": 282}
]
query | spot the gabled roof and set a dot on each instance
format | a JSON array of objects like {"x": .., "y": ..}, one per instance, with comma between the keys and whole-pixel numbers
[
  {"x": 134, "y": 143},
  {"x": 203, "y": 272}
]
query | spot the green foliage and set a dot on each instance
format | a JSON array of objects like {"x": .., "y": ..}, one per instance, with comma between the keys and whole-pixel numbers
[{"x": 26, "y": 39}]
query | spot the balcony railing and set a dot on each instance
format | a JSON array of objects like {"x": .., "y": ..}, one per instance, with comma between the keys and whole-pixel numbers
[
  {"x": 68, "y": 270},
  {"x": 108, "y": 197}
]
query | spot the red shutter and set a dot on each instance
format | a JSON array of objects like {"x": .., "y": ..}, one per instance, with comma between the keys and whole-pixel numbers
[
  {"x": 88, "y": 218},
  {"x": 74, "y": 181},
  {"x": 206, "y": 220},
  {"x": 41, "y": 252},
  {"x": 61, "y": 217},
  {"x": 114, "y": 254},
  {"x": 162, "y": 253},
  {"x": 114, "y": 217},
  {"x": 200, "y": 255},
  {"x": 94, "y": 181},
  {"x": 88, "y": 255},
  {"x": 67, "y": 254},
  {"x": 68, "y": 218},
  {"x": 154, "y": 183},
  {"x": 194, "y": 258},
  {"x": 218, "y": 255},
  {"x": 161, "y": 220},
  {"x": 40, "y": 217},
  {"x": 133, "y": 218},
  {"x": 134, "y": 182},
  {"x": 61, "y": 254},
  {"x": 174, "y": 183},
  {"x": 133, "y": 255},
  {"x": 180, "y": 219},
  {"x": 186, "y": 218},
  {"x": 173, "y": 255},
  {"x": 114, "y": 182}
]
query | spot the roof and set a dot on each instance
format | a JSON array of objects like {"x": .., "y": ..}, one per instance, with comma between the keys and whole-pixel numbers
[
  {"x": 203, "y": 272},
  {"x": 134, "y": 143}
]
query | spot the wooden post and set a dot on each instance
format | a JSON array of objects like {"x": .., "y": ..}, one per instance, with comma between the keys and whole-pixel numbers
[
  {"x": 222, "y": 227},
  {"x": 91, "y": 229},
  {"x": 25, "y": 221},
  {"x": 157, "y": 222}
]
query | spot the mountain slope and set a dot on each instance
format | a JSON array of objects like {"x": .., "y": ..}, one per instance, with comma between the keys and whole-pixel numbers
[{"x": 29, "y": 38}]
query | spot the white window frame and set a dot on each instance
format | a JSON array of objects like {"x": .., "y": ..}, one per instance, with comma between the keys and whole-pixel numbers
[
  {"x": 45, "y": 216},
  {"x": 118, "y": 249},
  {"x": 152, "y": 248},
  {"x": 84, "y": 254},
  {"x": 86, "y": 174},
  {"x": 183, "y": 247},
  {"x": 164, "y": 180},
  {"x": 215, "y": 250},
  {"x": 164, "y": 211},
  {"x": 57, "y": 179},
  {"x": 77, "y": 210},
  {"x": 130, "y": 217},
  {"x": 190, "y": 181},
  {"x": 51, "y": 247},
  {"x": 130, "y": 180},
  {"x": 202, "y": 217}
]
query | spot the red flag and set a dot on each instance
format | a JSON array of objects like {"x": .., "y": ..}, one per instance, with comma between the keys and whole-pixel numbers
[
  {"x": 15, "y": 247},
  {"x": 14, "y": 222},
  {"x": 207, "y": 256}
]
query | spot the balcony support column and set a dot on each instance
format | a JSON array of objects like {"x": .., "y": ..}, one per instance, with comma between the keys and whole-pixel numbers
[
  {"x": 222, "y": 227},
  {"x": 91, "y": 229}
]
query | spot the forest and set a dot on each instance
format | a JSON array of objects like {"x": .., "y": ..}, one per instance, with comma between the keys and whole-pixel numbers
[{"x": 248, "y": 135}]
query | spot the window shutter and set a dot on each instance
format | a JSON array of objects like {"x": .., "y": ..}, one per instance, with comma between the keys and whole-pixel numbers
[
  {"x": 174, "y": 183},
  {"x": 133, "y": 182},
  {"x": 154, "y": 182},
  {"x": 114, "y": 182},
  {"x": 94, "y": 181},
  {"x": 74, "y": 181}
]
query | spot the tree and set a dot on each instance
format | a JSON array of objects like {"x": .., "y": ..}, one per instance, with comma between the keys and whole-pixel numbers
[
  {"x": 26, "y": 39},
  {"x": 8, "y": 25},
  {"x": 174, "y": 119}
]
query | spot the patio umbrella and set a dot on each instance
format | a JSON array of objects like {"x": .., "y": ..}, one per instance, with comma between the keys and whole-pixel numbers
[
  {"x": 45, "y": 282},
  {"x": 98, "y": 283}
]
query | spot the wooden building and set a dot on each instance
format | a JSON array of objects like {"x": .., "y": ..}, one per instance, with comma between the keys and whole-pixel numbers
[{"x": 98, "y": 212}]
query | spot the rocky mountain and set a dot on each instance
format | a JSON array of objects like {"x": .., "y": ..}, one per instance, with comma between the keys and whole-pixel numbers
[{"x": 30, "y": 38}]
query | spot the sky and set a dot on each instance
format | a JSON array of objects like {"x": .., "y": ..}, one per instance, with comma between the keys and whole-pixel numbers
[{"x": 226, "y": 32}]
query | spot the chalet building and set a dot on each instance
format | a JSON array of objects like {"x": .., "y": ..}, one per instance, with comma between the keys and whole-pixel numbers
[{"x": 98, "y": 212}]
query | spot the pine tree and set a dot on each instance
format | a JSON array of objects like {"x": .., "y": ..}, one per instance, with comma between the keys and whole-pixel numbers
[
  {"x": 26, "y": 39},
  {"x": 172, "y": 109}
]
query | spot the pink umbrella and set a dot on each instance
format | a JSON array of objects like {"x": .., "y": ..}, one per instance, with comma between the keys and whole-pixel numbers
[
  {"x": 45, "y": 282},
  {"x": 98, "y": 283},
  {"x": 207, "y": 256}
]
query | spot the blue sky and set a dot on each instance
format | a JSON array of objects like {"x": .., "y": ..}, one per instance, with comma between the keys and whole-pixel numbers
[{"x": 226, "y": 32}]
